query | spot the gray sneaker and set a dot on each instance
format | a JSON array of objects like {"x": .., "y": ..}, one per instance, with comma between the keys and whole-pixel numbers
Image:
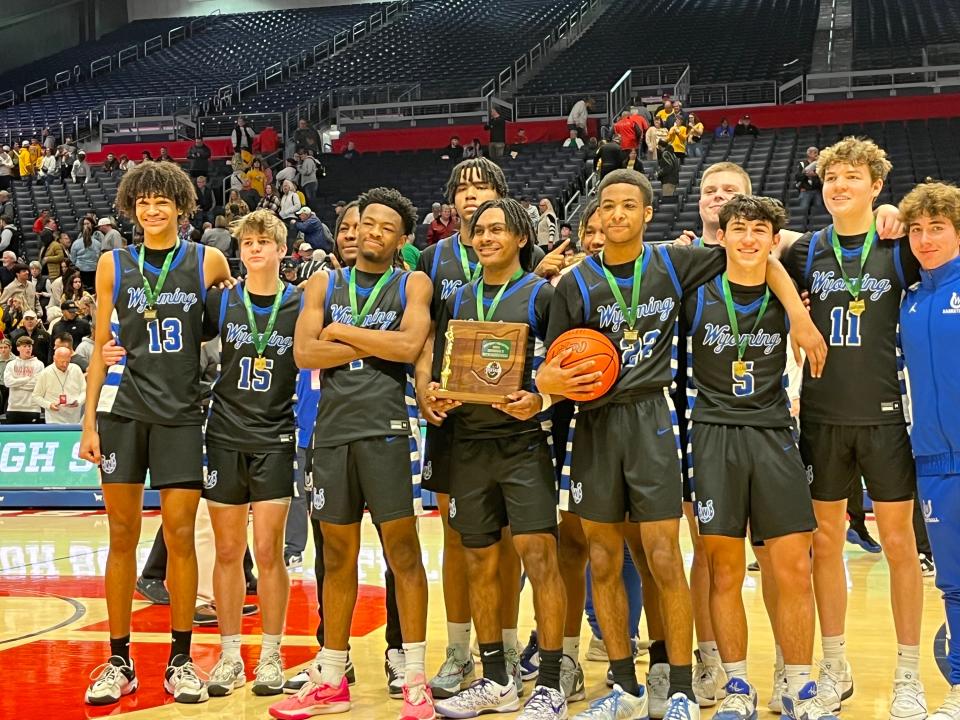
[
  {"x": 658, "y": 689},
  {"x": 182, "y": 681},
  {"x": 453, "y": 676},
  {"x": 571, "y": 680},
  {"x": 512, "y": 658},
  {"x": 226, "y": 676},
  {"x": 268, "y": 676}
]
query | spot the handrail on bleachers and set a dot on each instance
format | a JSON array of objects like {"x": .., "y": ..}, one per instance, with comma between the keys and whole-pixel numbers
[{"x": 128, "y": 54}]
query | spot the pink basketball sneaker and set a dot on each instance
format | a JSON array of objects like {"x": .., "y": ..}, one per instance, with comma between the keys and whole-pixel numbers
[
  {"x": 314, "y": 698},
  {"x": 417, "y": 701}
]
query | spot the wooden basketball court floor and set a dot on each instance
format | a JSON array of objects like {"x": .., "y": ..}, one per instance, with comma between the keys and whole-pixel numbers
[{"x": 53, "y": 628}]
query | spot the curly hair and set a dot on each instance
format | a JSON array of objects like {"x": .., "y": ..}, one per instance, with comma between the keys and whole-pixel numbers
[
  {"x": 484, "y": 170},
  {"x": 855, "y": 151},
  {"x": 393, "y": 200},
  {"x": 155, "y": 179},
  {"x": 518, "y": 223},
  {"x": 933, "y": 199},
  {"x": 754, "y": 207}
]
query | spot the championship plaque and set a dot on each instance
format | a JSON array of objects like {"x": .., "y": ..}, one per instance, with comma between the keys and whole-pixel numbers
[{"x": 482, "y": 361}]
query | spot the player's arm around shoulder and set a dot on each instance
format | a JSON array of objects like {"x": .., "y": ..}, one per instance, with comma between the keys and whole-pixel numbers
[
  {"x": 97, "y": 369},
  {"x": 216, "y": 269}
]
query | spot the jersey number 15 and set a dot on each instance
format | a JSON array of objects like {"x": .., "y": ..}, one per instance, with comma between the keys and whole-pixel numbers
[{"x": 252, "y": 378}]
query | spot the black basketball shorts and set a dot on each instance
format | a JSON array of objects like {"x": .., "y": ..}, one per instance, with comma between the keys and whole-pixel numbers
[
  {"x": 747, "y": 476},
  {"x": 236, "y": 478},
  {"x": 836, "y": 456},
  {"x": 173, "y": 454},
  {"x": 625, "y": 462},
  {"x": 498, "y": 482},
  {"x": 436, "y": 466}
]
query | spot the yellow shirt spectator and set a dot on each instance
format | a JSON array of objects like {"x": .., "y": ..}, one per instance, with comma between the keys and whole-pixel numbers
[
  {"x": 677, "y": 137},
  {"x": 257, "y": 179},
  {"x": 26, "y": 163}
]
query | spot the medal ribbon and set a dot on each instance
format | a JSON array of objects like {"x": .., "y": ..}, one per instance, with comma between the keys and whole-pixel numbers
[
  {"x": 470, "y": 275},
  {"x": 496, "y": 298},
  {"x": 732, "y": 314},
  {"x": 153, "y": 293},
  {"x": 371, "y": 298},
  {"x": 629, "y": 311},
  {"x": 853, "y": 286},
  {"x": 260, "y": 340}
]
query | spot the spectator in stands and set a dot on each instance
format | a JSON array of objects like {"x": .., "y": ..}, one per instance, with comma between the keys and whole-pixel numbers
[
  {"x": 6, "y": 356},
  {"x": 269, "y": 140},
  {"x": 85, "y": 253},
  {"x": 239, "y": 174},
  {"x": 7, "y": 233},
  {"x": 808, "y": 182},
  {"x": 609, "y": 157},
  {"x": 633, "y": 161},
  {"x": 146, "y": 156},
  {"x": 453, "y": 151},
  {"x": 60, "y": 390},
  {"x": 313, "y": 231},
  {"x": 41, "y": 220},
  {"x": 746, "y": 127},
  {"x": 72, "y": 287},
  {"x": 20, "y": 378},
  {"x": 48, "y": 234},
  {"x": 70, "y": 322},
  {"x": 289, "y": 172},
  {"x": 165, "y": 156},
  {"x": 241, "y": 138},
  {"x": 111, "y": 165},
  {"x": 519, "y": 141},
  {"x": 6, "y": 168},
  {"x": 442, "y": 226},
  {"x": 219, "y": 237},
  {"x": 306, "y": 138},
  {"x": 49, "y": 167},
  {"x": 573, "y": 141},
  {"x": 307, "y": 170},
  {"x": 205, "y": 201},
  {"x": 12, "y": 314},
  {"x": 723, "y": 130},
  {"x": 270, "y": 200},
  {"x": 257, "y": 178},
  {"x": 185, "y": 229},
  {"x": 81, "y": 356},
  {"x": 36, "y": 151},
  {"x": 311, "y": 262},
  {"x": 679, "y": 113},
  {"x": 531, "y": 209},
  {"x": 668, "y": 169},
  {"x": 579, "y": 113},
  {"x": 125, "y": 163},
  {"x": 677, "y": 137},
  {"x": 351, "y": 153},
  {"x": 289, "y": 201},
  {"x": 80, "y": 172},
  {"x": 547, "y": 225},
  {"x": 112, "y": 239},
  {"x": 27, "y": 168},
  {"x": 473, "y": 150},
  {"x": 235, "y": 207},
  {"x": 250, "y": 196},
  {"x": 48, "y": 141},
  {"x": 31, "y": 327},
  {"x": 433, "y": 214},
  {"x": 199, "y": 157},
  {"x": 7, "y": 210},
  {"x": 7, "y": 264},
  {"x": 22, "y": 287},
  {"x": 667, "y": 114},
  {"x": 497, "y": 127},
  {"x": 289, "y": 269},
  {"x": 54, "y": 255},
  {"x": 655, "y": 133},
  {"x": 694, "y": 136},
  {"x": 66, "y": 158},
  {"x": 41, "y": 283}
]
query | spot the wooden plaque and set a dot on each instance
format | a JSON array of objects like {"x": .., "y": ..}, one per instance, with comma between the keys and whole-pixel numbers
[{"x": 483, "y": 361}]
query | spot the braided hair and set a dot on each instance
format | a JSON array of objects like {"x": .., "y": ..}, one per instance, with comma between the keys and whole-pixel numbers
[
  {"x": 486, "y": 170},
  {"x": 517, "y": 221}
]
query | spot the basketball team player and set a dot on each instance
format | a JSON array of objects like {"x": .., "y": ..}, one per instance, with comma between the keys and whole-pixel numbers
[
  {"x": 745, "y": 463},
  {"x": 504, "y": 469},
  {"x": 852, "y": 418},
  {"x": 365, "y": 451},
  {"x": 151, "y": 298},
  {"x": 929, "y": 330},
  {"x": 638, "y": 479}
]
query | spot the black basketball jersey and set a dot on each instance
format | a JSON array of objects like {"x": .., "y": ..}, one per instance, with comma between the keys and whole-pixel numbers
[
  {"x": 862, "y": 381},
  {"x": 443, "y": 263},
  {"x": 158, "y": 381},
  {"x": 369, "y": 397},
  {"x": 526, "y": 300},
  {"x": 584, "y": 299},
  {"x": 252, "y": 408},
  {"x": 717, "y": 392}
]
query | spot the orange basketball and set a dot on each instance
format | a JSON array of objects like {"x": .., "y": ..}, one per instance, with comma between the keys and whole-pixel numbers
[{"x": 589, "y": 345}]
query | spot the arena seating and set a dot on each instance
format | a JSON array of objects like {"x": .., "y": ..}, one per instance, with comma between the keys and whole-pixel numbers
[
  {"x": 722, "y": 40},
  {"x": 893, "y": 33}
]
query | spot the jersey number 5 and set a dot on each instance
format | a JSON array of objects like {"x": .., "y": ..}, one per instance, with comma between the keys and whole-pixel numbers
[
  {"x": 253, "y": 379},
  {"x": 165, "y": 335},
  {"x": 840, "y": 317},
  {"x": 743, "y": 384}
]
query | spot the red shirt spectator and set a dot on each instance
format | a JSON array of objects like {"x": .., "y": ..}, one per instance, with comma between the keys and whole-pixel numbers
[
  {"x": 631, "y": 129},
  {"x": 41, "y": 221},
  {"x": 442, "y": 226},
  {"x": 269, "y": 140}
]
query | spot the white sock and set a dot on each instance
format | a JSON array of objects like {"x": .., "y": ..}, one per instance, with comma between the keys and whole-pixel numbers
[
  {"x": 797, "y": 676},
  {"x": 230, "y": 646},
  {"x": 779, "y": 661},
  {"x": 736, "y": 670},
  {"x": 834, "y": 648},
  {"x": 908, "y": 658},
  {"x": 571, "y": 648},
  {"x": 413, "y": 670},
  {"x": 709, "y": 653},
  {"x": 510, "y": 639},
  {"x": 269, "y": 645},
  {"x": 458, "y": 637},
  {"x": 333, "y": 665}
]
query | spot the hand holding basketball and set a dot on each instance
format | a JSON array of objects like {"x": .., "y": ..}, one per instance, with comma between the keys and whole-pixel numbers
[{"x": 581, "y": 364}]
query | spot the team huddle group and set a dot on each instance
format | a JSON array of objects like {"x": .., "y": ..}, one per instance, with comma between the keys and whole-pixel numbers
[{"x": 714, "y": 315}]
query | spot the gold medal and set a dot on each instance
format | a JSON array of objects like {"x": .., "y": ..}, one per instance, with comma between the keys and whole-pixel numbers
[
  {"x": 260, "y": 363},
  {"x": 739, "y": 368},
  {"x": 150, "y": 313},
  {"x": 631, "y": 335},
  {"x": 857, "y": 307}
]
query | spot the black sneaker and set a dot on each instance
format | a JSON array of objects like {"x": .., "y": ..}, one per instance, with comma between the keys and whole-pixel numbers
[
  {"x": 293, "y": 685},
  {"x": 153, "y": 590},
  {"x": 252, "y": 586},
  {"x": 393, "y": 666},
  {"x": 205, "y": 615},
  {"x": 110, "y": 682},
  {"x": 292, "y": 561},
  {"x": 249, "y": 609},
  {"x": 926, "y": 566}
]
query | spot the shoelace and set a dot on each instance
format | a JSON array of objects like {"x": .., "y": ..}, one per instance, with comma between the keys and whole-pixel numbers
[
  {"x": 396, "y": 668},
  {"x": 479, "y": 691},
  {"x": 270, "y": 667},
  {"x": 607, "y": 702},
  {"x": 541, "y": 700},
  {"x": 531, "y": 649},
  {"x": 313, "y": 682},
  {"x": 451, "y": 665},
  {"x": 737, "y": 703},
  {"x": 188, "y": 672},
  {"x": 416, "y": 694},
  {"x": 105, "y": 674},
  {"x": 827, "y": 682},
  {"x": 224, "y": 665},
  {"x": 677, "y": 710},
  {"x": 814, "y": 709}
]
